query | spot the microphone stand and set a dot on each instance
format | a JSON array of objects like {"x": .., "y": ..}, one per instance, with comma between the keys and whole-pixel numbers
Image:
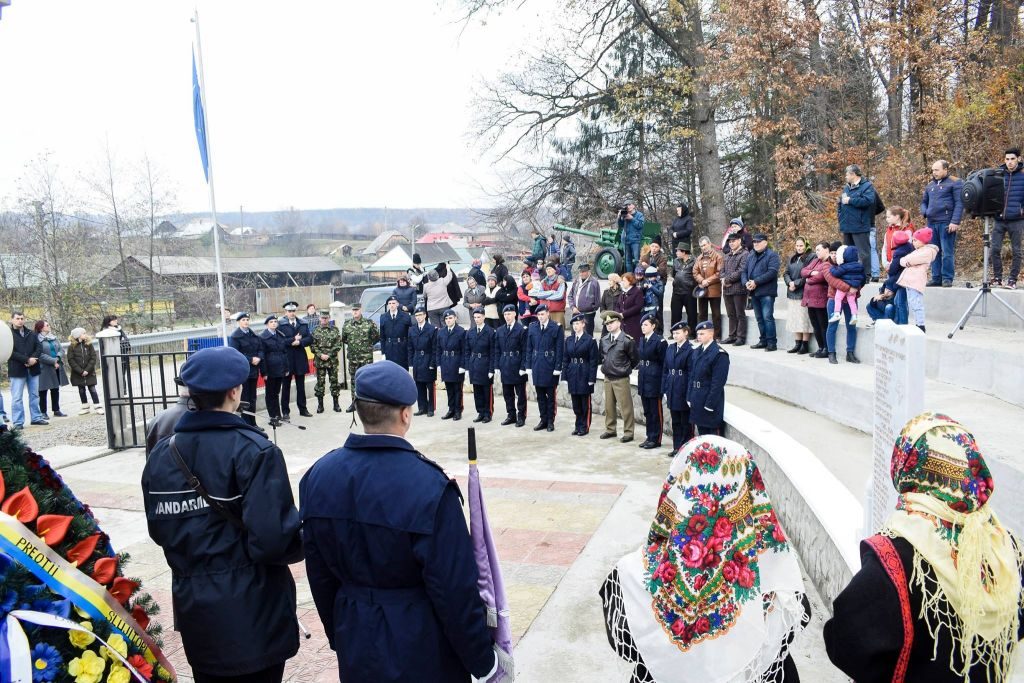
[{"x": 274, "y": 424}]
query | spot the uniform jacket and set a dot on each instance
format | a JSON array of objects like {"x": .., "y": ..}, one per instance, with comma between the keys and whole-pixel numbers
[
  {"x": 676, "y": 375},
  {"x": 585, "y": 295},
  {"x": 250, "y": 346},
  {"x": 449, "y": 352},
  {"x": 82, "y": 358},
  {"x": 390, "y": 565},
  {"x": 763, "y": 269},
  {"x": 1013, "y": 194},
  {"x": 631, "y": 306},
  {"x": 298, "y": 363},
  {"x": 942, "y": 202},
  {"x": 360, "y": 336},
  {"x": 50, "y": 375},
  {"x": 916, "y": 267},
  {"x": 326, "y": 340},
  {"x": 815, "y": 287},
  {"x": 233, "y": 595},
  {"x": 544, "y": 349},
  {"x": 618, "y": 356},
  {"x": 859, "y": 214},
  {"x": 510, "y": 350},
  {"x": 706, "y": 395},
  {"x": 708, "y": 267},
  {"x": 650, "y": 355},
  {"x": 579, "y": 363},
  {"x": 793, "y": 274},
  {"x": 406, "y": 298},
  {"x": 394, "y": 336},
  {"x": 733, "y": 265},
  {"x": 479, "y": 354},
  {"x": 421, "y": 352},
  {"x": 275, "y": 354},
  {"x": 26, "y": 345}
]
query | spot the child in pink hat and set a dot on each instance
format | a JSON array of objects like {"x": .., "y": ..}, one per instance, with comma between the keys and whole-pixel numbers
[{"x": 915, "y": 273}]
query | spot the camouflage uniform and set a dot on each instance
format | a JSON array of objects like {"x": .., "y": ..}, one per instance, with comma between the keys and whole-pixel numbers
[
  {"x": 326, "y": 340},
  {"x": 360, "y": 336}
]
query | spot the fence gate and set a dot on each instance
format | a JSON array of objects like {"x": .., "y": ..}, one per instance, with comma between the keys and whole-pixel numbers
[{"x": 136, "y": 386}]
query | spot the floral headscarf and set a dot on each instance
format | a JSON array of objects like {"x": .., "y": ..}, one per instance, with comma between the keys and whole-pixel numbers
[
  {"x": 967, "y": 566},
  {"x": 716, "y": 582}
]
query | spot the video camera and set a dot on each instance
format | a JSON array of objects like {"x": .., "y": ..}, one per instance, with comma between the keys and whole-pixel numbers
[{"x": 984, "y": 194}]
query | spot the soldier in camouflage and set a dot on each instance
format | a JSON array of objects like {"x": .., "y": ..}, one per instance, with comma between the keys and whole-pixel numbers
[
  {"x": 325, "y": 347},
  {"x": 359, "y": 335}
]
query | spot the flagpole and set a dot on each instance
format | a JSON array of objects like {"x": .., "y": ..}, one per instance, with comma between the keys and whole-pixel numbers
[{"x": 209, "y": 183}]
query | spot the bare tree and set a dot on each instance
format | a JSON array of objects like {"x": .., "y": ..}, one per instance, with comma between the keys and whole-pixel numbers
[{"x": 156, "y": 200}]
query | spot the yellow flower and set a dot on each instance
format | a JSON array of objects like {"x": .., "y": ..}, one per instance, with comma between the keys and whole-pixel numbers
[
  {"x": 80, "y": 639},
  {"x": 88, "y": 668},
  {"x": 118, "y": 643},
  {"x": 118, "y": 674}
]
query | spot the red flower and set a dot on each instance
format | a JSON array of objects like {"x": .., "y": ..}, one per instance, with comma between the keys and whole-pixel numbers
[
  {"x": 746, "y": 577},
  {"x": 715, "y": 544},
  {"x": 756, "y": 480},
  {"x": 104, "y": 570},
  {"x": 22, "y": 506},
  {"x": 653, "y": 548},
  {"x": 777, "y": 534},
  {"x": 141, "y": 665},
  {"x": 140, "y": 617},
  {"x": 739, "y": 558},
  {"x": 693, "y": 554},
  {"x": 713, "y": 508},
  {"x": 959, "y": 506},
  {"x": 696, "y": 525},
  {"x": 699, "y": 582},
  {"x": 730, "y": 572},
  {"x": 83, "y": 550},
  {"x": 53, "y": 528},
  {"x": 123, "y": 589},
  {"x": 723, "y": 528},
  {"x": 666, "y": 571},
  {"x": 712, "y": 560},
  {"x": 702, "y": 626},
  {"x": 911, "y": 461}
]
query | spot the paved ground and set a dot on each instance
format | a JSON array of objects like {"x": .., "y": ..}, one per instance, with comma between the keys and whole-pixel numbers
[{"x": 564, "y": 510}]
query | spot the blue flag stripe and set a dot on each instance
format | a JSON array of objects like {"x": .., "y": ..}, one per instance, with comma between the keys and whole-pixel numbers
[{"x": 200, "y": 119}]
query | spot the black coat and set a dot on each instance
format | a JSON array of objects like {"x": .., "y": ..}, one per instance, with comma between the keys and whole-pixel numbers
[
  {"x": 26, "y": 345},
  {"x": 579, "y": 364},
  {"x": 233, "y": 595},
  {"x": 681, "y": 230},
  {"x": 449, "y": 353},
  {"x": 421, "y": 352},
  {"x": 510, "y": 349},
  {"x": 250, "y": 346},
  {"x": 706, "y": 395},
  {"x": 82, "y": 358},
  {"x": 544, "y": 350},
  {"x": 651, "y": 356},
  {"x": 480, "y": 357},
  {"x": 275, "y": 354},
  {"x": 298, "y": 361},
  {"x": 678, "y": 362},
  {"x": 394, "y": 336}
]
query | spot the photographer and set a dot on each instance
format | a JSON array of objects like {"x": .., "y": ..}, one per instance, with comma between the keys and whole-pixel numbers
[
  {"x": 1010, "y": 221},
  {"x": 631, "y": 225}
]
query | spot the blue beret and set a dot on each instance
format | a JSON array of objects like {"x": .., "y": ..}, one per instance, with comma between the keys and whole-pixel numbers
[
  {"x": 217, "y": 368},
  {"x": 542, "y": 307},
  {"x": 385, "y": 382},
  {"x": 508, "y": 308},
  {"x": 478, "y": 311},
  {"x": 706, "y": 325},
  {"x": 420, "y": 309},
  {"x": 240, "y": 315},
  {"x": 683, "y": 325},
  {"x": 578, "y": 318},
  {"x": 391, "y": 298},
  {"x": 269, "y": 318},
  {"x": 450, "y": 312},
  {"x": 650, "y": 318}
]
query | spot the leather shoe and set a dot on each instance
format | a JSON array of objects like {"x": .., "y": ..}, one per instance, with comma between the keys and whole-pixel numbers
[
  {"x": 584, "y": 432},
  {"x": 626, "y": 439},
  {"x": 739, "y": 342},
  {"x": 40, "y": 423},
  {"x": 508, "y": 421},
  {"x": 771, "y": 347},
  {"x": 419, "y": 412},
  {"x": 520, "y": 423},
  {"x": 487, "y": 418},
  {"x": 551, "y": 427},
  {"x": 729, "y": 340},
  {"x": 478, "y": 418},
  {"x": 540, "y": 426},
  {"x": 306, "y": 413},
  {"x": 652, "y": 446},
  {"x": 608, "y": 435},
  {"x": 288, "y": 418},
  {"x": 457, "y": 417},
  {"x": 447, "y": 416},
  {"x": 575, "y": 432},
  {"x": 759, "y": 345},
  {"x": 430, "y": 413},
  {"x": 645, "y": 444},
  {"x": 832, "y": 359}
]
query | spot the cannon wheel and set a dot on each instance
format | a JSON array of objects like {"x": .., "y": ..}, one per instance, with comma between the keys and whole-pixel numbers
[{"x": 607, "y": 261}]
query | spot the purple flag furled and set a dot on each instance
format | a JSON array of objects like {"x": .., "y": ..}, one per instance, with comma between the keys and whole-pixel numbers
[{"x": 491, "y": 583}]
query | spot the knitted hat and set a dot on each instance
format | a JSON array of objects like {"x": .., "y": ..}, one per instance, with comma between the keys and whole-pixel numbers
[
  {"x": 77, "y": 332},
  {"x": 923, "y": 235},
  {"x": 900, "y": 237}
]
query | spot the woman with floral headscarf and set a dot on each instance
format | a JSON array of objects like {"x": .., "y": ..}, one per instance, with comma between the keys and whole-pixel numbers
[
  {"x": 938, "y": 596},
  {"x": 715, "y": 594}
]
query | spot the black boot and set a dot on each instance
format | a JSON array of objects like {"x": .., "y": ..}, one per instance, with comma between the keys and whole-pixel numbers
[
  {"x": 319, "y": 404},
  {"x": 804, "y": 348},
  {"x": 820, "y": 353},
  {"x": 337, "y": 404},
  {"x": 921, "y": 327},
  {"x": 832, "y": 359},
  {"x": 850, "y": 358},
  {"x": 796, "y": 347}
]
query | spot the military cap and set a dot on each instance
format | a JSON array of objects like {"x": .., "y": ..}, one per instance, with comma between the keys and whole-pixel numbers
[
  {"x": 217, "y": 368},
  {"x": 706, "y": 325},
  {"x": 612, "y": 315},
  {"x": 683, "y": 325},
  {"x": 649, "y": 318},
  {"x": 356, "y": 306},
  {"x": 291, "y": 305},
  {"x": 391, "y": 298},
  {"x": 508, "y": 308},
  {"x": 420, "y": 309},
  {"x": 760, "y": 237},
  {"x": 578, "y": 318},
  {"x": 385, "y": 382},
  {"x": 478, "y": 311},
  {"x": 651, "y": 271},
  {"x": 584, "y": 267},
  {"x": 542, "y": 307},
  {"x": 240, "y": 315},
  {"x": 325, "y": 314},
  {"x": 450, "y": 313},
  {"x": 269, "y": 318}
]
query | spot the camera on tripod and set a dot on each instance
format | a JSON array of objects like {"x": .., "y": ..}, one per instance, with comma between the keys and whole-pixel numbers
[{"x": 984, "y": 194}]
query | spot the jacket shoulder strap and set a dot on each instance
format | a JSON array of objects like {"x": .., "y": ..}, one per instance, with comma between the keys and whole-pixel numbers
[
  {"x": 893, "y": 566},
  {"x": 197, "y": 486}
]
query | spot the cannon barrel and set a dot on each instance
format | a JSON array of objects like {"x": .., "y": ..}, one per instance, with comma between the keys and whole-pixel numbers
[{"x": 577, "y": 231}]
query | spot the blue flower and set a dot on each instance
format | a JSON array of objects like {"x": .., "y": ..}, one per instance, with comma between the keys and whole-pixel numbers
[
  {"x": 8, "y": 602},
  {"x": 46, "y": 662}
]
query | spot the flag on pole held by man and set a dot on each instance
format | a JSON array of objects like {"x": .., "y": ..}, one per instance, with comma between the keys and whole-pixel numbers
[
  {"x": 200, "y": 118},
  {"x": 491, "y": 583}
]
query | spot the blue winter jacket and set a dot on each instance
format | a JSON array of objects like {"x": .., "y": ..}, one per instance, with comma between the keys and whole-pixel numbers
[
  {"x": 1013, "y": 197},
  {"x": 859, "y": 214},
  {"x": 895, "y": 268},
  {"x": 632, "y": 230},
  {"x": 763, "y": 269},
  {"x": 942, "y": 202},
  {"x": 850, "y": 270}
]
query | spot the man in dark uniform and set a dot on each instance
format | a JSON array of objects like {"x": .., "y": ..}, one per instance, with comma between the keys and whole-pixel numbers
[
  {"x": 422, "y": 337},
  {"x": 229, "y": 541},
  {"x": 650, "y": 352},
  {"x": 708, "y": 375},
  {"x": 510, "y": 348},
  {"x": 480, "y": 362},
  {"x": 388, "y": 556},
  {"x": 394, "y": 333},
  {"x": 298, "y": 363},
  {"x": 245, "y": 341},
  {"x": 449, "y": 354},
  {"x": 545, "y": 343}
]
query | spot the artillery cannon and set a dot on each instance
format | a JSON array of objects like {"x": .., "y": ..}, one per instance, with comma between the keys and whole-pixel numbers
[{"x": 609, "y": 258}]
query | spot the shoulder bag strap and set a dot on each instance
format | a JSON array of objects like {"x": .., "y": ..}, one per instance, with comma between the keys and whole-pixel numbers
[
  {"x": 197, "y": 486},
  {"x": 893, "y": 566}
]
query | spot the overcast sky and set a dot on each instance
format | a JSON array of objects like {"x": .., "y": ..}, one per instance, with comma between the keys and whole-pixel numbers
[{"x": 312, "y": 104}]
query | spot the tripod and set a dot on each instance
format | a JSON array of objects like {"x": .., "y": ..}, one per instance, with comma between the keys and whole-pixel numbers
[{"x": 986, "y": 288}]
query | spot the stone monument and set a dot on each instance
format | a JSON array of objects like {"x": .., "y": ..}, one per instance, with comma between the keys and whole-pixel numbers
[{"x": 899, "y": 396}]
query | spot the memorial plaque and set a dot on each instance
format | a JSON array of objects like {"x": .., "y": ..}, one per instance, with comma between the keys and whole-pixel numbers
[{"x": 899, "y": 396}]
